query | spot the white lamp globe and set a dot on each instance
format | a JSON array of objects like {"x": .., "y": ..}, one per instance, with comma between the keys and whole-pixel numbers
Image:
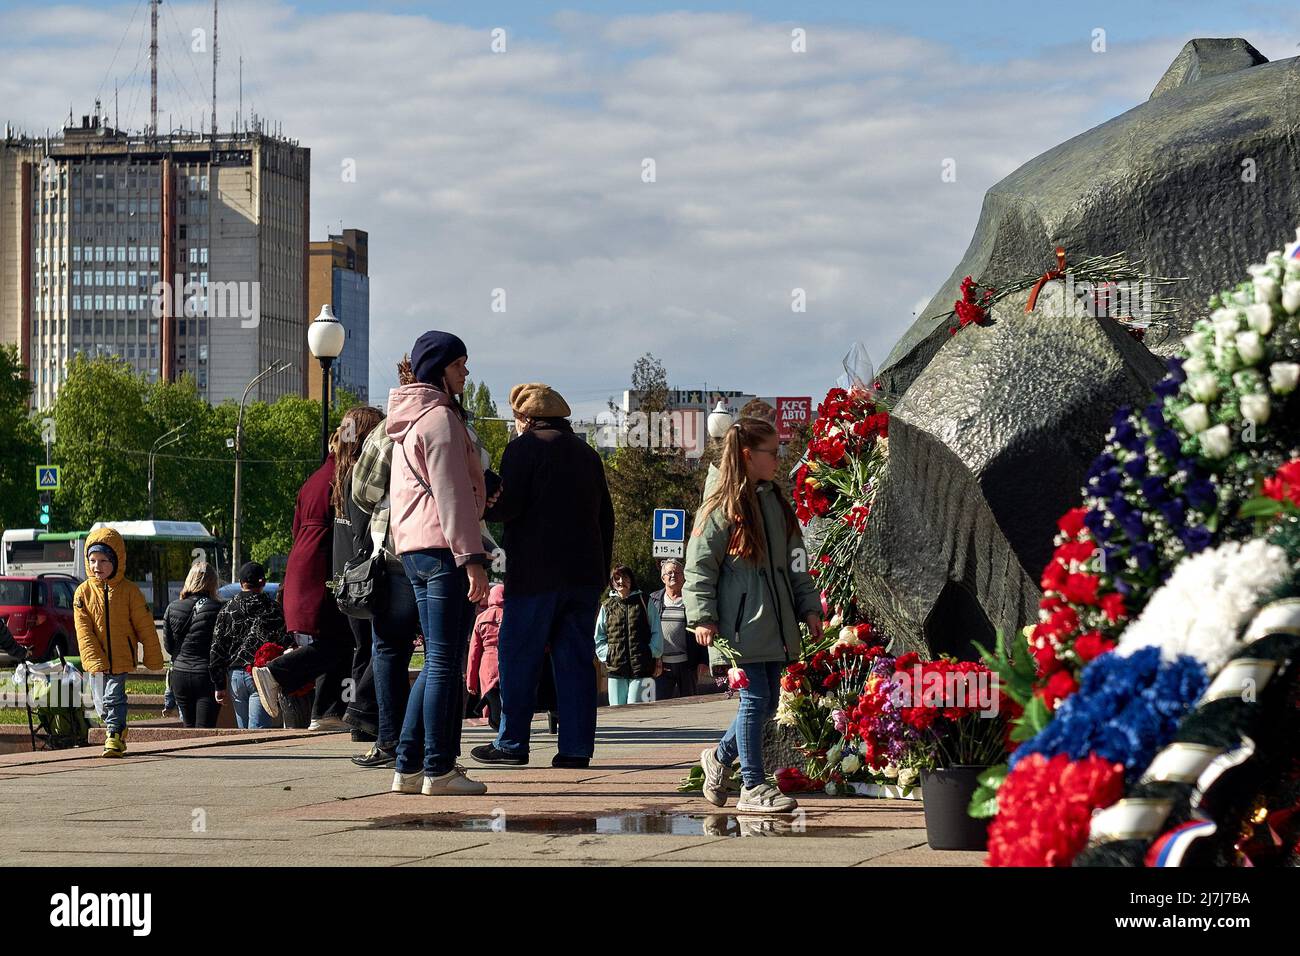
[
  {"x": 325, "y": 335},
  {"x": 720, "y": 419}
]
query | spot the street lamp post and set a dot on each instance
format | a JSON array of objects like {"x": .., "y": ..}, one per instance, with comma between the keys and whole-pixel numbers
[
  {"x": 168, "y": 438},
  {"x": 325, "y": 337},
  {"x": 271, "y": 369}
]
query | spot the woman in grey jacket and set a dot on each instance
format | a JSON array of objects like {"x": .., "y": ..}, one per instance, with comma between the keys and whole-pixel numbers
[{"x": 747, "y": 581}]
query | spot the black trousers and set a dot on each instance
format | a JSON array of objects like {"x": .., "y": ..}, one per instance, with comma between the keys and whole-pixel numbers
[
  {"x": 327, "y": 660},
  {"x": 677, "y": 680},
  {"x": 363, "y": 708},
  {"x": 195, "y": 698}
]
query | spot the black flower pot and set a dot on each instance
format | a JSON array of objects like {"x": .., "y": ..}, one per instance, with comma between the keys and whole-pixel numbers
[{"x": 946, "y": 794}]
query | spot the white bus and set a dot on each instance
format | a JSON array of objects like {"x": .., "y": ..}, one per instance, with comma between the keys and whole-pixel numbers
[{"x": 155, "y": 551}]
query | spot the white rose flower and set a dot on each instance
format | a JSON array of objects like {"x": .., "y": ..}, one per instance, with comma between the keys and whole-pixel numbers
[
  {"x": 890, "y": 771},
  {"x": 831, "y": 788},
  {"x": 1250, "y": 347},
  {"x": 1216, "y": 442},
  {"x": 1203, "y": 388},
  {"x": 1260, "y": 317},
  {"x": 848, "y": 635},
  {"x": 850, "y": 765},
  {"x": 1255, "y": 408},
  {"x": 1195, "y": 418},
  {"x": 1283, "y": 376},
  {"x": 1291, "y": 297},
  {"x": 907, "y": 776},
  {"x": 1266, "y": 289},
  {"x": 1226, "y": 324},
  {"x": 1197, "y": 341},
  {"x": 1195, "y": 365}
]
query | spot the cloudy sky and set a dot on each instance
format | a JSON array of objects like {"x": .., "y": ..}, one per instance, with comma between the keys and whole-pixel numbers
[{"x": 524, "y": 170}]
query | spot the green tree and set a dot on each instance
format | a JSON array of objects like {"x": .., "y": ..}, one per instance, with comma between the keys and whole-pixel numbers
[
  {"x": 20, "y": 439},
  {"x": 103, "y": 432},
  {"x": 642, "y": 478},
  {"x": 480, "y": 405}
]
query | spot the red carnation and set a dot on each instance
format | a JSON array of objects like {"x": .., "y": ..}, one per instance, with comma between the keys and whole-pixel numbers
[
  {"x": 1113, "y": 605},
  {"x": 1091, "y": 645},
  {"x": 1081, "y": 588},
  {"x": 1071, "y": 523},
  {"x": 1045, "y": 809}
]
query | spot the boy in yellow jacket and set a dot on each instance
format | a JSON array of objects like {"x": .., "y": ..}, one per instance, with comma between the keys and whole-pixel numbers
[{"x": 112, "y": 620}]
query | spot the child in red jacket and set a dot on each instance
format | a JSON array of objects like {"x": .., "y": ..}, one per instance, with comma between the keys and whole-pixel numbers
[{"x": 481, "y": 674}]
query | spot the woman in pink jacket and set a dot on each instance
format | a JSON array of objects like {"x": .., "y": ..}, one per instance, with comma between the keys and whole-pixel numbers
[
  {"x": 437, "y": 494},
  {"x": 481, "y": 675}
]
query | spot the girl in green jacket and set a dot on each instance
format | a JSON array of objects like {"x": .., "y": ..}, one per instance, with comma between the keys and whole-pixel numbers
[{"x": 747, "y": 581}]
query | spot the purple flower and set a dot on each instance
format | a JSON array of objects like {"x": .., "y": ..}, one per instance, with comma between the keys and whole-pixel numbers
[
  {"x": 1167, "y": 442},
  {"x": 1154, "y": 489},
  {"x": 1196, "y": 538},
  {"x": 1144, "y": 553},
  {"x": 1200, "y": 493}
]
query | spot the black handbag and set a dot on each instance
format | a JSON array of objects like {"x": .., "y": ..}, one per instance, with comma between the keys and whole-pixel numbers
[{"x": 361, "y": 589}]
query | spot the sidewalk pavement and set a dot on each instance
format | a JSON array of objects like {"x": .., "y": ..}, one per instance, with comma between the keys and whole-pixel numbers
[{"x": 293, "y": 797}]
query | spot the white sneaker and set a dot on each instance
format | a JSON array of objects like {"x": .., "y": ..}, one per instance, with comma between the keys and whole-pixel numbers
[
  {"x": 268, "y": 690},
  {"x": 765, "y": 798},
  {"x": 454, "y": 783},
  {"x": 407, "y": 782},
  {"x": 715, "y": 778},
  {"x": 328, "y": 725}
]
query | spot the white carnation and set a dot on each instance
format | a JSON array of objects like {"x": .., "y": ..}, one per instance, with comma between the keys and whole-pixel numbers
[
  {"x": 1250, "y": 347},
  {"x": 1291, "y": 297},
  {"x": 1203, "y": 606},
  {"x": 1266, "y": 289},
  {"x": 907, "y": 776},
  {"x": 1260, "y": 317},
  {"x": 1283, "y": 376},
  {"x": 1216, "y": 442},
  {"x": 1255, "y": 408},
  {"x": 850, "y": 765},
  {"x": 1195, "y": 418},
  {"x": 1203, "y": 388}
]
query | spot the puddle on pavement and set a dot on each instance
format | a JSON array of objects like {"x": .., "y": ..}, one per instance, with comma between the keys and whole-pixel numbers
[{"x": 625, "y": 824}]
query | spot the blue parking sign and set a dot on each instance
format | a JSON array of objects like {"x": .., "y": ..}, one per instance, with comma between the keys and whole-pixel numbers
[{"x": 670, "y": 524}]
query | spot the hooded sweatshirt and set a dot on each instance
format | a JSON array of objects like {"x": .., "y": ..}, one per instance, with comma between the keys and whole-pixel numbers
[
  {"x": 434, "y": 448},
  {"x": 481, "y": 674},
  {"x": 112, "y": 618}
]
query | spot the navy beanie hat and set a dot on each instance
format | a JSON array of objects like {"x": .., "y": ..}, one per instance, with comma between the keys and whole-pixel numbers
[
  {"x": 433, "y": 352},
  {"x": 105, "y": 550}
]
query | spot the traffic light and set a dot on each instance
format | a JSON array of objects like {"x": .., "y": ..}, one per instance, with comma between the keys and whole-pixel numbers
[{"x": 45, "y": 509}]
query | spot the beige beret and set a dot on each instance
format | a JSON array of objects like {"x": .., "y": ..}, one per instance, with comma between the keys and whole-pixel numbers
[{"x": 536, "y": 400}]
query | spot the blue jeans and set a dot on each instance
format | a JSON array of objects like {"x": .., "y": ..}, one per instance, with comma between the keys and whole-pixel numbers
[
  {"x": 565, "y": 620},
  {"x": 745, "y": 735},
  {"x": 249, "y": 713},
  {"x": 390, "y": 657},
  {"x": 109, "y": 692},
  {"x": 431, "y": 731},
  {"x": 631, "y": 690}
]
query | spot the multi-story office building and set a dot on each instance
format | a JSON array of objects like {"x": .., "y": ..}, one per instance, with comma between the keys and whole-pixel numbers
[
  {"x": 339, "y": 276},
  {"x": 181, "y": 255}
]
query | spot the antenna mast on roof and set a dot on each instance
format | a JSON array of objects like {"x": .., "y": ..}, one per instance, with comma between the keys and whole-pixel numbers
[
  {"x": 214, "y": 70},
  {"x": 153, "y": 67}
]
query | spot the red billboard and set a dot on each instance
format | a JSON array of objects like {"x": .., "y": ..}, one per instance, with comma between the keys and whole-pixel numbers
[{"x": 792, "y": 414}]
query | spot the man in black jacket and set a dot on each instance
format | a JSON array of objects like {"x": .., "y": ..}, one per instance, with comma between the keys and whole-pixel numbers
[{"x": 559, "y": 540}]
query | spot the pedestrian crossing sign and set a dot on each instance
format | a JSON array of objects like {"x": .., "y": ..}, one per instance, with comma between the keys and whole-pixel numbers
[{"x": 47, "y": 477}]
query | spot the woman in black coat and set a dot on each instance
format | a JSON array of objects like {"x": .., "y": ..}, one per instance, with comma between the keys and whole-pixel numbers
[{"x": 187, "y": 635}]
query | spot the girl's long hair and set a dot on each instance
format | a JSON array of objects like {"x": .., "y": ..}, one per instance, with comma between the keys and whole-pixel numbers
[
  {"x": 201, "y": 581},
  {"x": 735, "y": 494},
  {"x": 345, "y": 443}
]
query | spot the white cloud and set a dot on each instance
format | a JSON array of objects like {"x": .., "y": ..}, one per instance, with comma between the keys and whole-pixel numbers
[{"x": 522, "y": 170}]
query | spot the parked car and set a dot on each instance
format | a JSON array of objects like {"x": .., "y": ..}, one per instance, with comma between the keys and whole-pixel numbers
[
  {"x": 227, "y": 591},
  {"x": 38, "y": 610}
]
